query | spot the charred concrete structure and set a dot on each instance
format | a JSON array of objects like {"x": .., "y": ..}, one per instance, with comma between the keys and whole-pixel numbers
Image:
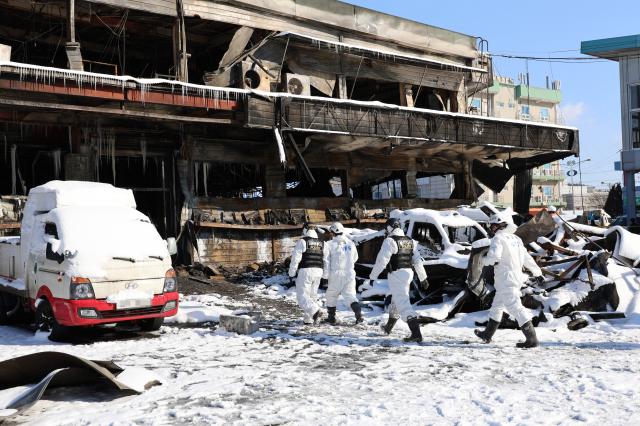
[{"x": 248, "y": 117}]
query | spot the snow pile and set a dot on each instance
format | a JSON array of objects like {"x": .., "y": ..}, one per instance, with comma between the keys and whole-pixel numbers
[
  {"x": 138, "y": 379},
  {"x": 375, "y": 288},
  {"x": 17, "y": 284},
  {"x": 199, "y": 309}
]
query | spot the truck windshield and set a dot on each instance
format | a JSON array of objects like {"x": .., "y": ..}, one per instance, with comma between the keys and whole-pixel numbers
[{"x": 463, "y": 234}]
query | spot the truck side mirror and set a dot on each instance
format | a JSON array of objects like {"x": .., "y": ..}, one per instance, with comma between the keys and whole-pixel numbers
[
  {"x": 172, "y": 246},
  {"x": 52, "y": 255}
]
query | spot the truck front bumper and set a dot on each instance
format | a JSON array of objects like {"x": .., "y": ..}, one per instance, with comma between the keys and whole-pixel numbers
[{"x": 75, "y": 313}]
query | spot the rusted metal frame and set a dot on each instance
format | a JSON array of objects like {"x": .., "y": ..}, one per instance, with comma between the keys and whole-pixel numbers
[
  {"x": 557, "y": 262},
  {"x": 589, "y": 272},
  {"x": 305, "y": 167},
  {"x": 379, "y": 126},
  {"x": 113, "y": 111},
  {"x": 313, "y": 120},
  {"x": 401, "y": 116},
  {"x": 551, "y": 274},
  {"x": 338, "y": 120},
  {"x": 355, "y": 126},
  {"x": 10, "y": 225}
]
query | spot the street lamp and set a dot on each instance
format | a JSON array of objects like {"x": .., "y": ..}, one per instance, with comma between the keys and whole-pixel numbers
[{"x": 572, "y": 173}]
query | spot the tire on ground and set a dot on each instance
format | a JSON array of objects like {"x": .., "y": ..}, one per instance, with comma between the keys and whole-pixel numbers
[
  {"x": 152, "y": 324},
  {"x": 46, "y": 321}
]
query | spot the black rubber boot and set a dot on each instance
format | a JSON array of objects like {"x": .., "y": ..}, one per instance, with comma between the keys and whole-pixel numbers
[
  {"x": 317, "y": 317},
  {"x": 487, "y": 334},
  {"x": 389, "y": 325},
  {"x": 414, "y": 326},
  {"x": 331, "y": 318},
  {"x": 355, "y": 307},
  {"x": 530, "y": 335}
]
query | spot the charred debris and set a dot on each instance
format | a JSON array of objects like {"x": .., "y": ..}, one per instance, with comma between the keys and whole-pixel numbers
[{"x": 232, "y": 124}]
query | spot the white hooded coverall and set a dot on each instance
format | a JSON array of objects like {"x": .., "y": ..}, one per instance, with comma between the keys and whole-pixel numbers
[
  {"x": 308, "y": 279},
  {"x": 341, "y": 255},
  {"x": 400, "y": 280},
  {"x": 509, "y": 256}
]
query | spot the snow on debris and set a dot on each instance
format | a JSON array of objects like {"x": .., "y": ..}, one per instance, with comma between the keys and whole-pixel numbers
[{"x": 199, "y": 309}]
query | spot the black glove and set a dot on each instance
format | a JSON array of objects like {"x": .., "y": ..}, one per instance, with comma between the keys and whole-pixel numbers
[
  {"x": 538, "y": 280},
  {"x": 324, "y": 282},
  {"x": 292, "y": 280},
  {"x": 424, "y": 284}
]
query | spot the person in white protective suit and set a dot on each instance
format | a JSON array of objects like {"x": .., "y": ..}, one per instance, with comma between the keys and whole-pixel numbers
[
  {"x": 560, "y": 232},
  {"x": 307, "y": 265},
  {"x": 341, "y": 255},
  {"x": 399, "y": 255},
  {"x": 508, "y": 256}
]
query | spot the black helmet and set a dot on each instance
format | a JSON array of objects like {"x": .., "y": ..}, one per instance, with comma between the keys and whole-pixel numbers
[{"x": 392, "y": 224}]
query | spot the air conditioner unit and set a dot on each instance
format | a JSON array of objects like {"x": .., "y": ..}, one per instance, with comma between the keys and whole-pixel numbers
[
  {"x": 297, "y": 84},
  {"x": 250, "y": 76}
]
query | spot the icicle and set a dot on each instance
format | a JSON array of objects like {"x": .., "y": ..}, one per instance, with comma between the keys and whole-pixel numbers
[
  {"x": 205, "y": 175},
  {"x": 143, "y": 152},
  {"x": 112, "y": 147},
  {"x": 196, "y": 172},
  {"x": 57, "y": 163},
  {"x": 14, "y": 148},
  {"x": 70, "y": 136}
]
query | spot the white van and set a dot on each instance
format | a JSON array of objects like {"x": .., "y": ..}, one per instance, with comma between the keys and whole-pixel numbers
[{"x": 86, "y": 256}]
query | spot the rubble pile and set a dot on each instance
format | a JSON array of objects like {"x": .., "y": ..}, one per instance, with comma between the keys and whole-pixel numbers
[{"x": 591, "y": 273}]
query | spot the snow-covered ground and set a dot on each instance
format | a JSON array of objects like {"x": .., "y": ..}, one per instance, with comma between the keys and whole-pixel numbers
[{"x": 288, "y": 373}]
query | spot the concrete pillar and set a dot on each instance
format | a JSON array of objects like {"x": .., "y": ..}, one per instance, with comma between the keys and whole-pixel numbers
[
  {"x": 523, "y": 183},
  {"x": 630, "y": 194},
  {"x": 409, "y": 184},
  {"x": 78, "y": 167},
  {"x": 275, "y": 182}
]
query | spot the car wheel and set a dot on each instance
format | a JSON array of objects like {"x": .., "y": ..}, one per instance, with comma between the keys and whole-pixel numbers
[
  {"x": 46, "y": 321},
  {"x": 152, "y": 324},
  {"x": 3, "y": 311}
]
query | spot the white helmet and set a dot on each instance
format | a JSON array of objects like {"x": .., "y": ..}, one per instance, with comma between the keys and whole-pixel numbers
[
  {"x": 337, "y": 228},
  {"x": 552, "y": 209},
  {"x": 496, "y": 219}
]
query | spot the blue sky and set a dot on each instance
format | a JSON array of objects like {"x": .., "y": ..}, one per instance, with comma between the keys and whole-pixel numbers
[{"x": 547, "y": 28}]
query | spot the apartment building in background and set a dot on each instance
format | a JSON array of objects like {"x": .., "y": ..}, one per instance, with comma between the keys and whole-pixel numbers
[
  {"x": 517, "y": 101},
  {"x": 626, "y": 51},
  {"x": 521, "y": 101}
]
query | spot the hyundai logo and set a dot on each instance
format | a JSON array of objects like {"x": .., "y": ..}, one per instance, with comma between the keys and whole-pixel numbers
[{"x": 131, "y": 286}]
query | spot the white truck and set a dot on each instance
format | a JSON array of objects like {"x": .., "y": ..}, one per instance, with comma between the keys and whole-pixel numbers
[{"x": 86, "y": 257}]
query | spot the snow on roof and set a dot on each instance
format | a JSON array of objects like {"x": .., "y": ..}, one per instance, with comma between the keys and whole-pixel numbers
[
  {"x": 52, "y": 74},
  {"x": 443, "y": 218},
  {"x": 58, "y": 193},
  {"x": 379, "y": 53}
]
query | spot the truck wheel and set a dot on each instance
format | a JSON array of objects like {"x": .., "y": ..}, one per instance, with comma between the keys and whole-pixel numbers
[
  {"x": 46, "y": 321},
  {"x": 3, "y": 311},
  {"x": 152, "y": 324}
]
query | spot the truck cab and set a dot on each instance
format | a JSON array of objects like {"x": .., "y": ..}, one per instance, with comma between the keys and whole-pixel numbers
[{"x": 85, "y": 257}]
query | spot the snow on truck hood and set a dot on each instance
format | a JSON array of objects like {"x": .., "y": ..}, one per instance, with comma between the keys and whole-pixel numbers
[{"x": 94, "y": 236}]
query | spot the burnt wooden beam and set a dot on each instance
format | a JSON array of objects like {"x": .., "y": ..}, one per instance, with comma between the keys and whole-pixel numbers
[
  {"x": 113, "y": 112},
  {"x": 305, "y": 167}
]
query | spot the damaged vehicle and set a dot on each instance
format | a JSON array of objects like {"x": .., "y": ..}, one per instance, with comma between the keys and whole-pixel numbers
[
  {"x": 589, "y": 272},
  {"x": 445, "y": 241}
]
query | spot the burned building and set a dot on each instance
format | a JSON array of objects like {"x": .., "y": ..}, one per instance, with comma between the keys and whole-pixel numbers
[{"x": 248, "y": 117}]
